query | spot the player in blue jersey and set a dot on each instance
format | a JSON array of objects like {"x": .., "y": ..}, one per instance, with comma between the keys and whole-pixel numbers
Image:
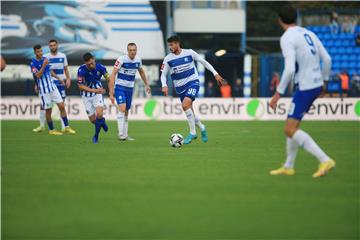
[
  {"x": 59, "y": 65},
  {"x": 47, "y": 90},
  {"x": 91, "y": 91},
  {"x": 301, "y": 47},
  {"x": 123, "y": 77},
  {"x": 181, "y": 65}
]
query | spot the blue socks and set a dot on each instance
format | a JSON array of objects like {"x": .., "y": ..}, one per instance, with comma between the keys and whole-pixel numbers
[
  {"x": 51, "y": 125},
  {"x": 65, "y": 121}
]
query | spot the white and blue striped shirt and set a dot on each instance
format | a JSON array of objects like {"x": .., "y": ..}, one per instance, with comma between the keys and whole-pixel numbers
[
  {"x": 57, "y": 63},
  {"x": 127, "y": 69},
  {"x": 91, "y": 78},
  {"x": 45, "y": 83},
  {"x": 182, "y": 69}
]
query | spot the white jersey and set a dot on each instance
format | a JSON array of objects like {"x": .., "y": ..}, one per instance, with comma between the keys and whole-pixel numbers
[
  {"x": 182, "y": 69},
  {"x": 303, "y": 51},
  {"x": 57, "y": 63},
  {"x": 127, "y": 69}
]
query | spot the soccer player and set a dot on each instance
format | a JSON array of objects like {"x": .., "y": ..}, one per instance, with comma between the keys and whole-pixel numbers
[
  {"x": 91, "y": 91},
  {"x": 59, "y": 65},
  {"x": 47, "y": 90},
  {"x": 126, "y": 67},
  {"x": 302, "y": 51},
  {"x": 181, "y": 65}
]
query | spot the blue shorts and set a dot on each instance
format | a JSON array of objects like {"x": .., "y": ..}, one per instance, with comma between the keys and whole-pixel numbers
[
  {"x": 190, "y": 92},
  {"x": 61, "y": 89},
  {"x": 123, "y": 97},
  {"x": 302, "y": 102}
]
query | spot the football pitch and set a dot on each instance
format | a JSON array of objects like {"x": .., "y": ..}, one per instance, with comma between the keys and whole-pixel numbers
[{"x": 65, "y": 187}]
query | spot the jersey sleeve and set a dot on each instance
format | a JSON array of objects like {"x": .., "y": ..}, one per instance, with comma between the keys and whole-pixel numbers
[
  {"x": 288, "y": 51},
  {"x": 33, "y": 68},
  {"x": 325, "y": 58},
  {"x": 140, "y": 61},
  {"x": 164, "y": 71},
  {"x": 81, "y": 76},
  {"x": 65, "y": 61},
  {"x": 205, "y": 63},
  {"x": 104, "y": 72},
  {"x": 118, "y": 63}
]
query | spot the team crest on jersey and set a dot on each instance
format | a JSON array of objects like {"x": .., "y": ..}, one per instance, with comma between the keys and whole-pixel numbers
[{"x": 186, "y": 59}]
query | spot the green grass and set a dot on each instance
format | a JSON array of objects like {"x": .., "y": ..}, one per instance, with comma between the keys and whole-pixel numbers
[{"x": 64, "y": 187}]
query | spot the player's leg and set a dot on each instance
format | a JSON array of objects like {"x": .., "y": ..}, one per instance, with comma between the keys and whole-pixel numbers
[
  {"x": 42, "y": 118},
  {"x": 100, "y": 121},
  {"x": 199, "y": 124},
  {"x": 128, "y": 106},
  {"x": 61, "y": 90},
  {"x": 56, "y": 97},
  {"x": 46, "y": 99},
  {"x": 121, "y": 100},
  {"x": 187, "y": 105}
]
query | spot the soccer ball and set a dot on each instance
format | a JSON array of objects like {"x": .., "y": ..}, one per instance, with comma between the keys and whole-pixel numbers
[{"x": 176, "y": 140}]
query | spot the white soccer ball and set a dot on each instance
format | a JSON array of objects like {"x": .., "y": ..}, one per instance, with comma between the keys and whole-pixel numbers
[{"x": 176, "y": 140}]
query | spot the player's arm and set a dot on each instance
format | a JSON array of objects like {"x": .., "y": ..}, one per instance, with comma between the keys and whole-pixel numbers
[
  {"x": 111, "y": 82},
  {"x": 288, "y": 52},
  {"x": 39, "y": 73},
  {"x": 83, "y": 87},
  {"x": 209, "y": 67},
  {"x": 53, "y": 74},
  {"x": 164, "y": 71},
  {"x": 145, "y": 80},
  {"x": 67, "y": 73},
  {"x": 326, "y": 59}
]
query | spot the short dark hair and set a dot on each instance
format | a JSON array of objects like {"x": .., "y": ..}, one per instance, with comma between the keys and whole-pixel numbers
[
  {"x": 288, "y": 14},
  {"x": 131, "y": 44},
  {"x": 87, "y": 56},
  {"x": 173, "y": 39},
  {"x": 36, "y": 47},
  {"x": 53, "y": 40}
]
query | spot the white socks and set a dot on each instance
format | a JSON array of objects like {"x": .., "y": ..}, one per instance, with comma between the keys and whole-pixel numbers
[
  {"x": 62, "y": 124},
  {"x": 121, "y": 124},
  {"x": 291, "y": 151},
  {"x": 42, "y": 118},
  {"x": 199, "y": 124},
  {"x": 191, "y": 120},
  {"x": 126, "y": 126},
  {"x": 304, "y": 140}
]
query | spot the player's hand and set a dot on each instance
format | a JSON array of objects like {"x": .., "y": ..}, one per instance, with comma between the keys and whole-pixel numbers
[
  {"x": 100, "y": 91},
  {"x": 274, "y": 100},
  {"x": 61, "y": 81},
  {"x": 36, "y": 89},
  {"x": 112, "y": 99},
  {"x": 323, "y": 92},
  {"x": 148, "y": 89},
  {"x": 220, "y": 80},
  {"x": 165, "y": 90},
  {"x": 46, "y": 62},
  {"x": 68, "y": 83}
]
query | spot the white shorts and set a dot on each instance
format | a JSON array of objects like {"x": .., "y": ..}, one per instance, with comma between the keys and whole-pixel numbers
[
  {"x": 91, "y": 103},
  {"x": 48, "y": 98}
]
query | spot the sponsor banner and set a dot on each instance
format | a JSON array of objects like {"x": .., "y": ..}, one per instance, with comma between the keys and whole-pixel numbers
[{"x": 163, "y": 108}]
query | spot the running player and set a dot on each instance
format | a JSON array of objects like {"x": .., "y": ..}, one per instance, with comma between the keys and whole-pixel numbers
[
  {"x": 126, "y": 67},
  {"x": 47, "y": 90},
  {"x": 91, "y": 91},
  {"x": 181, "y": 65},
  {"x": 302, "y": 51}
]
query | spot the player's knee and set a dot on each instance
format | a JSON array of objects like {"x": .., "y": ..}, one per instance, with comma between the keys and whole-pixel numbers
[
  {"x": 61, "y": 107},
  {"x": 289, "y": 131},
  {"x": 186, "y": 105}
]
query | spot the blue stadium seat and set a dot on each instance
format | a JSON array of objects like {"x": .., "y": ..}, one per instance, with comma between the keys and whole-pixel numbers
[
  {"x": 327, "y": 36},
  {"x": 324, "y": 29},
  {"x": 344, "y": 57},
  {"x": 352, "y": 64},
  {"x": 336, "y": 57},
  {"x": 349, "y": 50},
  {"x": 352, "y": 57}
]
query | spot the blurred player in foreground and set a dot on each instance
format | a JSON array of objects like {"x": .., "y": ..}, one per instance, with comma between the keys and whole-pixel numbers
[
  {"x": 302, "y": 51},
  {"x": 91, "y": 91},
  {"x": 47, "y": 90},
  {"x": 181, "y": 65},
  {"x": 59, "y": 65},
  {"x": 124, "y": 71}
]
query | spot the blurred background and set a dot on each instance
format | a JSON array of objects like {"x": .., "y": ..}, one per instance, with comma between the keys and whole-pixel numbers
[{"x": 240, "y": 38}]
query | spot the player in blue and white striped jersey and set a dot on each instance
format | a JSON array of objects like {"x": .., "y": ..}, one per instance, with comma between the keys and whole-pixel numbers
[
  {"x": 91, "y": 91},
  {"x": 124, "y": 71},
  {"x": 181, "y": 65},
  {"x": 47, "y": 90},
  {"x": 59, "y": 65}
]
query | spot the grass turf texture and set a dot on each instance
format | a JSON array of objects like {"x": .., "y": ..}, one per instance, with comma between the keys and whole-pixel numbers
[{"x": 64, "y": 187}]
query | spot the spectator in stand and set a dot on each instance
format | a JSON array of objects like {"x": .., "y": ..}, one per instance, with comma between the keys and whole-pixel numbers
[
  {"x": 347, "y": 26},
  {"x": 225, "y": 91},
  {"x": 357, "y": 40},
  {"x": 344, "y": 78},
  {"x": 355, "y": 85},
  {"x": 275, "y": 80},
  {"x": 238, "y": 88},
  {"x": 334, "y": 23},
  {"x": 209, "y": 92}
]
